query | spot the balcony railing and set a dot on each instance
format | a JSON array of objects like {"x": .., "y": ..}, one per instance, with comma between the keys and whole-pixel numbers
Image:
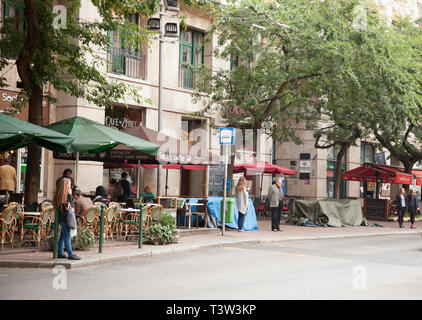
[
  {"x": 126, "y": 62},
  {"x": 187, "y": 78}
]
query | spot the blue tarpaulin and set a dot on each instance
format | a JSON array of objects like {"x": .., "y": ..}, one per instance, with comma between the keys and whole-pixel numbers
[{"x": 214, "y": 207}]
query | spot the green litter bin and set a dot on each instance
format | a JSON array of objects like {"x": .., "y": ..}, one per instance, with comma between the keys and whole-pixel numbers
[{"x": 229, "y": 210}]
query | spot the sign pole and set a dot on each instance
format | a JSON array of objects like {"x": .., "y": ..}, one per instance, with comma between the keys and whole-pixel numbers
[{"x": 225, "y": 190}]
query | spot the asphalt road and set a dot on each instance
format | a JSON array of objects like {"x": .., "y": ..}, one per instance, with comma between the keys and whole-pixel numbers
[{"x": 382, "y": 267}]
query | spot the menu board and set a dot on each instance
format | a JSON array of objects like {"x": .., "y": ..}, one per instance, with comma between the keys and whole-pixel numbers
[{"x": 216, "y": 180}]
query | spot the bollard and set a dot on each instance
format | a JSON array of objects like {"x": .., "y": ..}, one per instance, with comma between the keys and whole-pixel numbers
[
  {"x": 101, "y": 240},
  {"x": 141, "y": 223},
  {"x": 56, "y": 234}
]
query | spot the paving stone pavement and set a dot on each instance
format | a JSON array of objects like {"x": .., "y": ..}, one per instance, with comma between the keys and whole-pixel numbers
[{"x": 196, "y": 239}]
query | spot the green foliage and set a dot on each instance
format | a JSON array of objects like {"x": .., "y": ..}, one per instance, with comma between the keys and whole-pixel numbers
[
  {"x": 162, "y": 232},
  {"x": 83, "y": 240}
]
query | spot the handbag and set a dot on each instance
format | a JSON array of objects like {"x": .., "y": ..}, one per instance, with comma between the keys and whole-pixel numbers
[{"x": 70, "y": 218}]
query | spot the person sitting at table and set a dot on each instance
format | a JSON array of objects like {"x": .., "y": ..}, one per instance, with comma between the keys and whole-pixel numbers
[
  {"x": 81, "y": 203},
  {"x": 101, "y": 196},
  {"x": 147, "y": 193}
]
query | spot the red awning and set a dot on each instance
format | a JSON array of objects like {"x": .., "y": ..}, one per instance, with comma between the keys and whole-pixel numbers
[
  {"x": 387, "y": 174},
  {"x": 418, "y": 175},
  {"x": 261, "y": 167},
  {"x": 177, "y": 166}
]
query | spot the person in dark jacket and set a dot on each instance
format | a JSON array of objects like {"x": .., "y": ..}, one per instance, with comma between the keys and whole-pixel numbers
[
  {"x": 126, "y": 187},
  {"x": 401, "y": 201},
  {"x": 101, "y": 195},
  {"x": 413, "y": 206},
  {"x": 62, "y": 200},
  {"x": 67, "y": 174}
]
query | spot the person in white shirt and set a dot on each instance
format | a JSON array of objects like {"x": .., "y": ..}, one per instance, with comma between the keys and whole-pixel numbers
[{"x": 242, "y": 199}]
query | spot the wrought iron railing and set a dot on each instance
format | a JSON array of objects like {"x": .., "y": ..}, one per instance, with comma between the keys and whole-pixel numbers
[
  {"x": 187, "y": 78},
  {"x": 126, "y": 62}
]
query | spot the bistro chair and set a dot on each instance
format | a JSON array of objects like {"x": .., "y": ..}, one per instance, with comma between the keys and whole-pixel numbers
[
  {"x": 45, "y": 204},
  {"x": 155, "y": 212},
  {"x": 180, "y": 209},
  {"x": 118, "y": 220},
  {"x": 110, "y": 221},
  {"x": 201, "y": 211},
  {"x": 90, "y": 216},
  {"x": 8, "y": 224},
  {"x": 38, "y": 226},
  {"x": 131, "y": 223}
]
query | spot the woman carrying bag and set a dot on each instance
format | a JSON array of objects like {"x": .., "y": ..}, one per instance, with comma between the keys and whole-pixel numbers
[
  {"x": 242, "y": 199},
  {"x": 63, "y": 201}
]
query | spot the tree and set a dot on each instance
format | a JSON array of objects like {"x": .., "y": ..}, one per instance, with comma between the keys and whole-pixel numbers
[
  {"x": 394, "y": 96},
  {"x": 52, "y": 49}
]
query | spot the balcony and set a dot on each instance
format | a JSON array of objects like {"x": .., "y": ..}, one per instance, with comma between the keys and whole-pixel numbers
[
  {"x": 187, "y": 78},
  {"x": 126, "y": 62}
]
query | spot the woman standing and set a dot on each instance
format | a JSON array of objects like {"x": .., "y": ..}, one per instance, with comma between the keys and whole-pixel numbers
[
  {"x": 242, "y": 199},
  {"x": 63, "y": 200}
]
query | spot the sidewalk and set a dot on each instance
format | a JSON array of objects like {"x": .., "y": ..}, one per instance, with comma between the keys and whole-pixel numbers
[{"x": 197, "y": 239}]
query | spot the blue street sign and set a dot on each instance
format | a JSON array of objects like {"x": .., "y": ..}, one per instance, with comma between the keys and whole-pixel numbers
[
  {"x": 226, "y": 136},
  {"x": 228, "y": 185}
]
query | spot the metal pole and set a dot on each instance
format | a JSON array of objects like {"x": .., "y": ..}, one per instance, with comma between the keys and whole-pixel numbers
[
  {"x": 167, "y": 179},
  {"x": 138, "y": 178},
  {"x": 56, "y": 234},
  {"x": 100, "y": 246},
  {"x": 225, "y": 190},
  {"x": 141, "y": 223},
  {"x": 160, "y": 91},
  {"x": 76, "y": 169}
]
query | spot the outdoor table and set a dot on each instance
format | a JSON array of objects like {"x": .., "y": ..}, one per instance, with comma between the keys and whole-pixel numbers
[
  {"x": 190, "y": 211},
  {"x": 31, "y": 213},
  {"x": 129, "y": 210}
]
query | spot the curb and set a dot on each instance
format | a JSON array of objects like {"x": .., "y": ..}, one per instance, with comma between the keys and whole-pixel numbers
[{"x": 131, "y": 256}]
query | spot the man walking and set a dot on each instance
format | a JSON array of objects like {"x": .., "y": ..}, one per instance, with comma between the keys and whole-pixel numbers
[
  {"x": 413, "y": 206},
  {"x": 401, "y": 206},
  {"x": 275, "y": 196},
  {"x": 7, "y": 179}
]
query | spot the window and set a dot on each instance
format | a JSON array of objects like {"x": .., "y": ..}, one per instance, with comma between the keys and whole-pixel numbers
[
  {"x": 191, "y": 52},
  {"x": 124, "y": 58},
  {"x": 234, "y": 62},
  {"x": 15, "y": 12},
  {"x": 331, "y": 172},
  {"x": 366, "y": 152}
]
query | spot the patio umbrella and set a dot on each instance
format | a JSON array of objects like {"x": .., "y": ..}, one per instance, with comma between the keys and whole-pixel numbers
[
  {"x": 93, "y": 137},
  {"x": 261, "y": 167},
  {"x": 15, "y": 134}
]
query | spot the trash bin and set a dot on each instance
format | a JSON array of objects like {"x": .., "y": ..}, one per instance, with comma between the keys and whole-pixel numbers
[{"x": 229, "y": 210}]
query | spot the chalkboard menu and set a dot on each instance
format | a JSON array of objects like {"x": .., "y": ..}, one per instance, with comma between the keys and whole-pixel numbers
[
  {"x": 216, "y": 180},
  {"x": 375, "y": 209}
]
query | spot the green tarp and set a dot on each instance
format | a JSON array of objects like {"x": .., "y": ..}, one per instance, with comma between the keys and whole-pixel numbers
[{"x": 329, "y": 212}]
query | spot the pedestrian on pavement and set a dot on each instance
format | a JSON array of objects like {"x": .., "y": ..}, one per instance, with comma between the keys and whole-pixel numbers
[
  {"x": 81, "y": 203},
  {"x": 275, "y": 196},
  {"x": 67, "y": 174},
  {"x": 401, "y": 201},
  {"x": 242, "y": 200},
  {"x": 63, "y": 200},
  {"x": 7, "y": 179},
  {"x": 413, "y": 206}
]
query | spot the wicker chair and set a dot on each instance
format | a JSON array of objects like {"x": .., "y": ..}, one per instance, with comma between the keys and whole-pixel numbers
[
  {"x": 110, "y": 221},
  {"x": 90, "y": 217},
  {"x": 155, "y": 212},
  {"x": 201, "y": 211},
  {"x": 38, "y": 226},
  {"x": 131, "y": 223},
  {"x": 8, "y": 224}
]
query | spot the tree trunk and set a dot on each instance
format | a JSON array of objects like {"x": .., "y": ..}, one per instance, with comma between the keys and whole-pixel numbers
[
  {"x": 408, "y": 166},
  {"x": 32, "y": 177},
  {"x": 337, "y": 183}
]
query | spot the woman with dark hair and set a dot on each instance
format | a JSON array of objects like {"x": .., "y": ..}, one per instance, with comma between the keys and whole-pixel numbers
[
  {"x": 63, "y": 201},
  {"x": 101, "y": 195}
]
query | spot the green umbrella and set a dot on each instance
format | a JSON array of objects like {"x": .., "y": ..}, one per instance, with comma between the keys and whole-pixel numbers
[
  {"x": 15, "y": 134},
  {"x": 92, "y": 137}
]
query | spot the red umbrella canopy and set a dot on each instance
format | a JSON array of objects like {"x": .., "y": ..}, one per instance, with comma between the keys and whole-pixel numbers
[{"x": 261, "y": 167}]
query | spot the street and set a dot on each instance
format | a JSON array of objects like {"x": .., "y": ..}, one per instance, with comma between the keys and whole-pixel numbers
[{"x": 377, "y": 267}]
